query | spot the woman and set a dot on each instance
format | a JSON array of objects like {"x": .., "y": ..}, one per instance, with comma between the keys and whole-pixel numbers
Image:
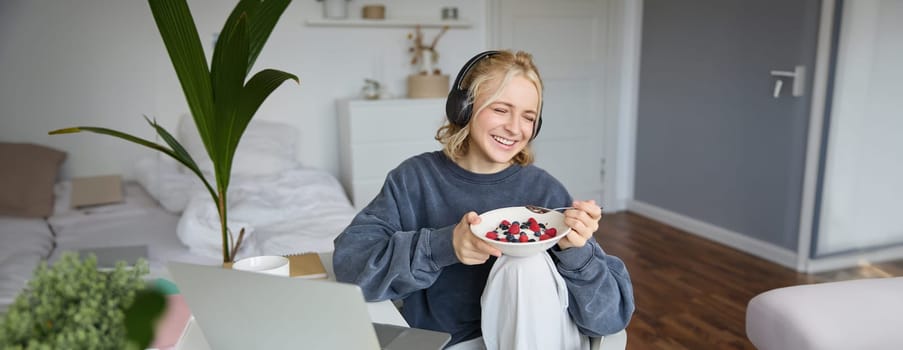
[{"x": 413, "y": 241}]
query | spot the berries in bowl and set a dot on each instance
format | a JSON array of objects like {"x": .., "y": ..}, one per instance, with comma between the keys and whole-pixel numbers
[{"x": 521, "y": 231}]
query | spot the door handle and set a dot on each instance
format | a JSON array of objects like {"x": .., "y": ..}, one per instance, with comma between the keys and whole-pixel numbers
[{"x": 798, "y": 74}]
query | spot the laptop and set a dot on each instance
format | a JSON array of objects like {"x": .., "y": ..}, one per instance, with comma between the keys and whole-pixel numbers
[{"x": 247, "y": 310}]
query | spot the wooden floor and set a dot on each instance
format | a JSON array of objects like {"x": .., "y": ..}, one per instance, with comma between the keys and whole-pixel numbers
[{"x": 691, "y": 293}]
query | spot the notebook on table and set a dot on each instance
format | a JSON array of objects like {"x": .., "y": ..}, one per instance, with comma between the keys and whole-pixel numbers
[{"x": 246, "y": 310}]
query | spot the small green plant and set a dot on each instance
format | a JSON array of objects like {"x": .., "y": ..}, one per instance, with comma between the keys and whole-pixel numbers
[{"x": 73, "y": 305}]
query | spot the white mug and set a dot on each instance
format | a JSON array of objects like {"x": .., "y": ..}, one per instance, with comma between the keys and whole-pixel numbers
[{"x": 268, "y": 264}]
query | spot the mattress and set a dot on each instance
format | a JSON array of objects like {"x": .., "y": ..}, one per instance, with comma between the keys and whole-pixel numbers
[
  {"x": 138, "y": 221},
  {"x": 299, "y": 210},
  {"x": 23, "y": 244}
]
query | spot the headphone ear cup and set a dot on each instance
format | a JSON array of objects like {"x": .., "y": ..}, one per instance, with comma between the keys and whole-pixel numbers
[
  {"x": 457, "y": 108},
  {"x": 538, "y": 126}
]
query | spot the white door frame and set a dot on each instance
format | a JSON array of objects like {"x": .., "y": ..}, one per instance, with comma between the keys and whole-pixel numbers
[
  {"x": 626, "y": 38},
  {"x": 620, "y": 94},
  {"x": 814, "y": 141}
]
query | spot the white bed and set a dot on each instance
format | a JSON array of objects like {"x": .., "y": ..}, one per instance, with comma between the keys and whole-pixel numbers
[
  {"x": 286, "y": 208},
  {"x": 23, "y": 243}
]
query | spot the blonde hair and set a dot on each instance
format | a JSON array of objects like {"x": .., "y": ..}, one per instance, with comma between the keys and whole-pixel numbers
[{"x": 502, "y": 67}]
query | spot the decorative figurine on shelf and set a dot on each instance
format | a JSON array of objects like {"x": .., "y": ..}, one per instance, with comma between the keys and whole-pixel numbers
[
  {"x": 428, "y": 80},
  {"x": 425, "y": 56},
  {"x": 373, "y": 90}
]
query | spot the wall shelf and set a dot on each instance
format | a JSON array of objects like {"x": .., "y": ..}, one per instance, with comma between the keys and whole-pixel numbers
[{"x": 397, "y": 22}]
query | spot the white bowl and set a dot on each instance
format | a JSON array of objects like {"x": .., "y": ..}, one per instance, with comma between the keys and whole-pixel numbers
[
  {"x": 490, "y": 221},
  {"x": 269, "y": 264}
]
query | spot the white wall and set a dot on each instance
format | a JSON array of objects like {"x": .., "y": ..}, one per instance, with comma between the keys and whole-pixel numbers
[
  {"x": 102, "y": 63},
  {"x": 862, "y": 200}
]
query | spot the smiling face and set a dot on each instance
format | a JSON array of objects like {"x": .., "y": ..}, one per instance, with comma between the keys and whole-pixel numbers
[{"x": 503, "y": 128}]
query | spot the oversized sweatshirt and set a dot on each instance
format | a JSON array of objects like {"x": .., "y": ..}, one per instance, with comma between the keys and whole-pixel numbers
[{"x": 400, "y": 247}]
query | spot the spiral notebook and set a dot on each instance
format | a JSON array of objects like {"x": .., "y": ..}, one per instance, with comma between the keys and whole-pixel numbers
[{"x": 307, "y": 265}]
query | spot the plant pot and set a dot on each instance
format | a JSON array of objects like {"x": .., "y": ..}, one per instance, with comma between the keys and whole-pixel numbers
[
  {"x": 335, "y": 9},
  {"x": 427, "y": 86}
]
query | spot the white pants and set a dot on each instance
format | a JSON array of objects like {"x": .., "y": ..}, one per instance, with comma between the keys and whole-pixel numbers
[{"x": 525, "y": 307}]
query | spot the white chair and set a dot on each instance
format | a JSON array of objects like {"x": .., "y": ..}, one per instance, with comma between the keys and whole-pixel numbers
[{"x": 617, "y": 341}]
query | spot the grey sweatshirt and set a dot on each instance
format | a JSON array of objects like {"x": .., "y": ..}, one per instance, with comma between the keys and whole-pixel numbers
[{"x": 400, "y": 247}]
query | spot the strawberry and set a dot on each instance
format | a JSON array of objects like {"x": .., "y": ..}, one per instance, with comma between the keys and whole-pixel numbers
[
  {"x": 551, "y": 231},
  {"x": 492, "y": 235},
  {"x": 544, "y": 237},
  {"x": 523, "y": 238},
  {"x": 514, "y": 229}
]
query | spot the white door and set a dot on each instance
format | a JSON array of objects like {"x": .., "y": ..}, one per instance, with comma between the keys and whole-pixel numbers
[{"x": 567, "y": 40}]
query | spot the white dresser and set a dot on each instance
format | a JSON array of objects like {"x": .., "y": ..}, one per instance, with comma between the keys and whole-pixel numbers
[{"x": 376, "y": 136}]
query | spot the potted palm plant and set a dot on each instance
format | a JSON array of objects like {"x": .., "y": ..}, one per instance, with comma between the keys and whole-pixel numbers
[{"x": 221, "y": 98}]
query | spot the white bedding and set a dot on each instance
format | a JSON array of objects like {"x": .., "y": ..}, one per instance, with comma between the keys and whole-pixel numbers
[
  {"x": 285, "y": 207},
  {"x": 138, "y": 220},
  {"x": 293, "y": 211},
  {"x": 23, "y": 244},
  {"x": 297, "y": 211}
]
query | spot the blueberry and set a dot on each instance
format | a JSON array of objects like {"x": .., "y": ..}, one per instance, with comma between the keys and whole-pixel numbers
[
  {"x": 542, "y": 225},
  {"x": 531, "y": 240},
  {"x": 503, "y": 227},
  {"x": 511, "y": 238}
]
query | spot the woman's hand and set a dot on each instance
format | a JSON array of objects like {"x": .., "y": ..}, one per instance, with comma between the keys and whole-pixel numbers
[
  {"x": 583, "y": 220},
  {"x": 469, "y": 249}
]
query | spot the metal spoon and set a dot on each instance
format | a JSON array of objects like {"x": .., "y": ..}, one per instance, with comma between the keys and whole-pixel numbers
[{"x": 543, "y": 210}]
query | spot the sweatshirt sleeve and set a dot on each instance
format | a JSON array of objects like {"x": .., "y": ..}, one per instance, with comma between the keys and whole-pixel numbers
[
  {"x": 387, "y": 262},
  {"x": 600, "y": 292}
]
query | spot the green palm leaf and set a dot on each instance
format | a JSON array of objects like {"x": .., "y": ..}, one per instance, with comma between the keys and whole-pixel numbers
[
  {"x": 181, "y": 156},
  {"x": 263, "y": 20},
  {"x": 259, "y": 87},
  {"x": 180, "y": 36},
  {"x": 230, "y": 60}
]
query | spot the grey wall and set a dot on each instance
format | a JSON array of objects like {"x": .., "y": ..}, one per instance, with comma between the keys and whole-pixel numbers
[{"x": 712, "y": 143}]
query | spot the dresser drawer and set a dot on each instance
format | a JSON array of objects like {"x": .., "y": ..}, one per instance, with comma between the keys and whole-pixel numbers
[{"x": 376, "y": 136}]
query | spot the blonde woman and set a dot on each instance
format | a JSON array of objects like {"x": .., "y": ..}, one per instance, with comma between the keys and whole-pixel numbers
[{"x": 413, "y": 241}]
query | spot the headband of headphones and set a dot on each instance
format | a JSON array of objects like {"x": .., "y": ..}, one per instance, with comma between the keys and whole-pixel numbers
[{"x": 459, "y": 105}]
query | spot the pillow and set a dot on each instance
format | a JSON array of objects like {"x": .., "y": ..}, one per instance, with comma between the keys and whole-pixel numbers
[
  {"x": 26, "y": 182},
  {"x": 266, "y": 148}
]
